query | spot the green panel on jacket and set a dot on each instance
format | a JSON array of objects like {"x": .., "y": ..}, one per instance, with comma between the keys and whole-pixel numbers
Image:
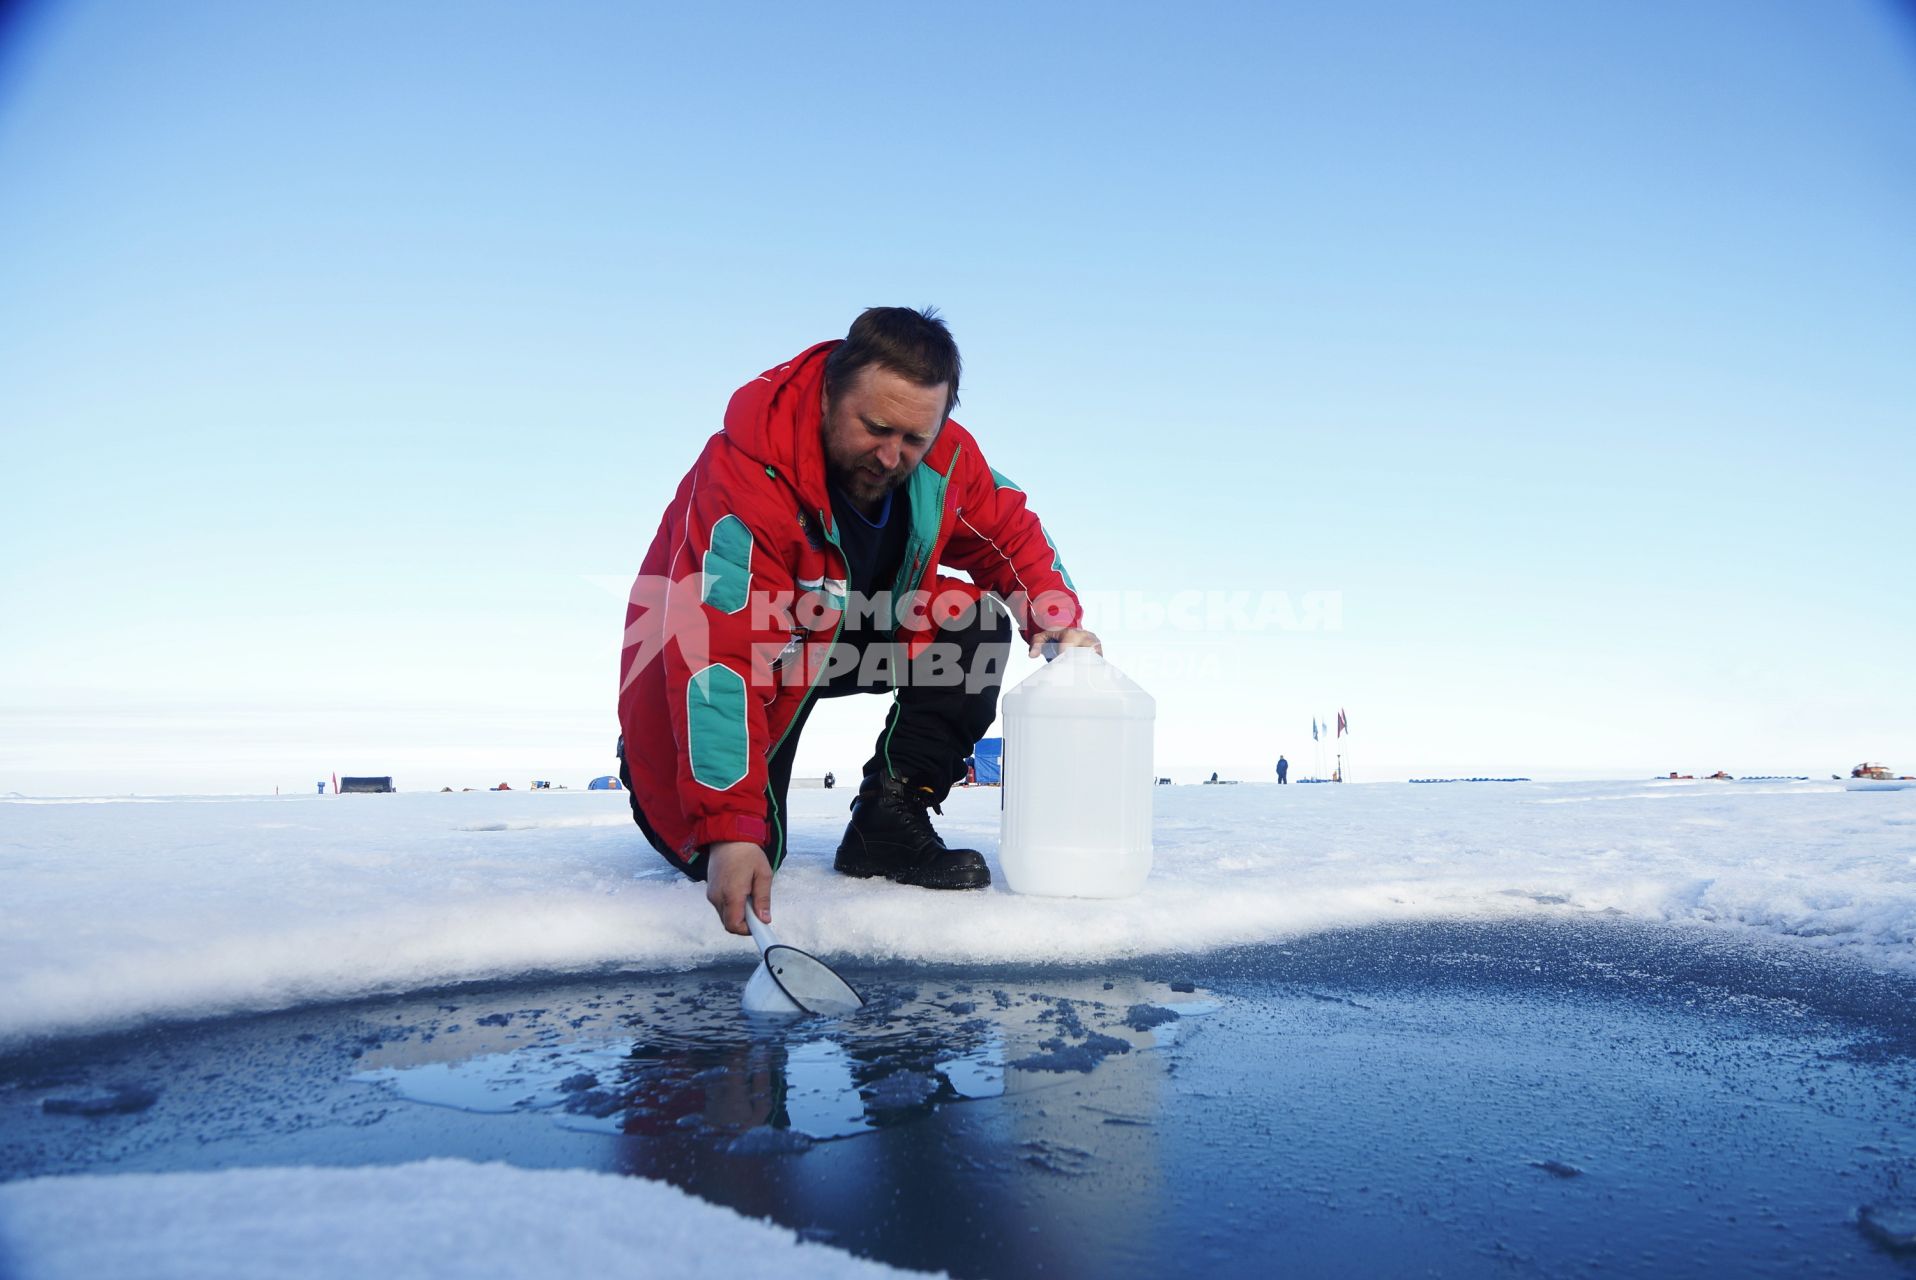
[
  {"x": 718, "y": 738},
  {"x": 727, "y": 581}
]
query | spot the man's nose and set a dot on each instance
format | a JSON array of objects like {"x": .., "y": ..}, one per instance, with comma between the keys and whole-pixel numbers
[{"x": 889, "y": 452}]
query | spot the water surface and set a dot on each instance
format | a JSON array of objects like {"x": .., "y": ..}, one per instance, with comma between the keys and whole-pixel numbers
[{"x": 1559, "y": 1099}]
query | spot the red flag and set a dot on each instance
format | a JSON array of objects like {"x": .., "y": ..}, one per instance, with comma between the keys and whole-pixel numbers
[
  {"x": 336, "y": 776},
  {"x": 1343, "y": 725}
]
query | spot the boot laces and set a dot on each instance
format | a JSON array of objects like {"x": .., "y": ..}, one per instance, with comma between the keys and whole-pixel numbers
[{"x": 912, "y": 803}]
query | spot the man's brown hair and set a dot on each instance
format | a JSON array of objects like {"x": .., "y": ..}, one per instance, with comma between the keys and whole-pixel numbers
[{"x": 913, "y": 344}]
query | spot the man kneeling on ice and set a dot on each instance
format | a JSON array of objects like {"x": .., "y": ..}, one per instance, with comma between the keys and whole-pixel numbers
[{"x": 799, "y": 559}]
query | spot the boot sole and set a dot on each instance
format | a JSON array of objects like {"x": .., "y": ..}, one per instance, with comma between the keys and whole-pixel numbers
[{"x": 981, "y": 880}]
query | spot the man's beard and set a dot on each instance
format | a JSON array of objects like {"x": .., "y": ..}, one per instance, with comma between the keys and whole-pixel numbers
[{"x": 862, "y": 486}]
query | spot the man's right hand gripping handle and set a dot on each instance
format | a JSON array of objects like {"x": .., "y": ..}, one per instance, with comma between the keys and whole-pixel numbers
[{"x": 735, "y": 871}]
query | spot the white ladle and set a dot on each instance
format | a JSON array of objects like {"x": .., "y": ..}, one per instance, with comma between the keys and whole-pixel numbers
[{"x": 789, "y": 981}]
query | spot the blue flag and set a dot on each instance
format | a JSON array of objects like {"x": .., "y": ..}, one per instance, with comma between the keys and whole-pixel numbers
[{"x": 1313, "y": 728}]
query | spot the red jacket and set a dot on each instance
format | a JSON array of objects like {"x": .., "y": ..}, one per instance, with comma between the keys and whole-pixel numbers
[{"x": 743, "y": 591}]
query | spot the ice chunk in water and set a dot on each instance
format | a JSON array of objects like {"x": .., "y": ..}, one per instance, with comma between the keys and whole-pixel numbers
[{"x": 1891, "y": 1226}]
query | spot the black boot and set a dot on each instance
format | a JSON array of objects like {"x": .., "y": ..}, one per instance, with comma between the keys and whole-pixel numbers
[{"x": 890, "y": 835}]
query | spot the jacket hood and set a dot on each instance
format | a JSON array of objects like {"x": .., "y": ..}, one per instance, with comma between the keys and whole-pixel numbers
[{"x": 775, "y": 420}]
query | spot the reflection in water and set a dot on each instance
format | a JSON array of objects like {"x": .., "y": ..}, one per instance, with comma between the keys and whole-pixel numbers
[
  {"x": 816, "y": 1122},
  {"x": 495, "y": 1083},
  {"x": 694, "y": 1064}
]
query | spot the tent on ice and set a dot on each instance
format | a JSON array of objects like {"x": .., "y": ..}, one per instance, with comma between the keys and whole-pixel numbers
[{"x": 988, "y": 762}]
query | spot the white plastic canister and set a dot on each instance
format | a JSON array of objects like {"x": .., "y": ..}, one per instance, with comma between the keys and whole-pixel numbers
[{"x": 1077, "y": 779}]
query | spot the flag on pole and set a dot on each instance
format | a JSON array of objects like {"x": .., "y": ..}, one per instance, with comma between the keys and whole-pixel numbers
[
  {"x": 1343, "y": 725},
  {"x": 1313, "y": 728}
]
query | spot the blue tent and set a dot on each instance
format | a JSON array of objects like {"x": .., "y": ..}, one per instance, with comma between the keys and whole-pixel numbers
[
  {"x": 989, "y": 760},
  {"x": 607, "y": 783}
]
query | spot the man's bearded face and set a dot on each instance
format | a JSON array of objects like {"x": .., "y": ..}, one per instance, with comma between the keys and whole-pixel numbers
[{"x": 877, "y": 430}]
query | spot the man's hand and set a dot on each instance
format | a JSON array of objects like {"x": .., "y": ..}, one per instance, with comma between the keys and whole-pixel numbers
[
  {"x": 735, "y": 871},
  {"x": 1065, "y": 638}
]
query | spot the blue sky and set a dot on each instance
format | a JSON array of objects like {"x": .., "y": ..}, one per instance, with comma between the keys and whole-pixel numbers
[{"x": 349, "y": 353}]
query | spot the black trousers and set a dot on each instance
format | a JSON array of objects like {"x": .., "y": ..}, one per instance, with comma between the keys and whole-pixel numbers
[{"x": 943, "y": 701}]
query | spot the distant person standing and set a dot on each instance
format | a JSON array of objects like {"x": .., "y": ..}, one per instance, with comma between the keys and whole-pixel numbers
[{"x": 1283, "y": 771}]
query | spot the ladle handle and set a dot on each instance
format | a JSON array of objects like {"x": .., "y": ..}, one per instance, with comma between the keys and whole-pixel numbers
[{"x": 761, "y": 932}]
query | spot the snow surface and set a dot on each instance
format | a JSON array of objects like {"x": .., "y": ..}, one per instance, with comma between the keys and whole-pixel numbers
[
  {"x": 112, "y": 914},
  {"x": 432, "y": 1218}
]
